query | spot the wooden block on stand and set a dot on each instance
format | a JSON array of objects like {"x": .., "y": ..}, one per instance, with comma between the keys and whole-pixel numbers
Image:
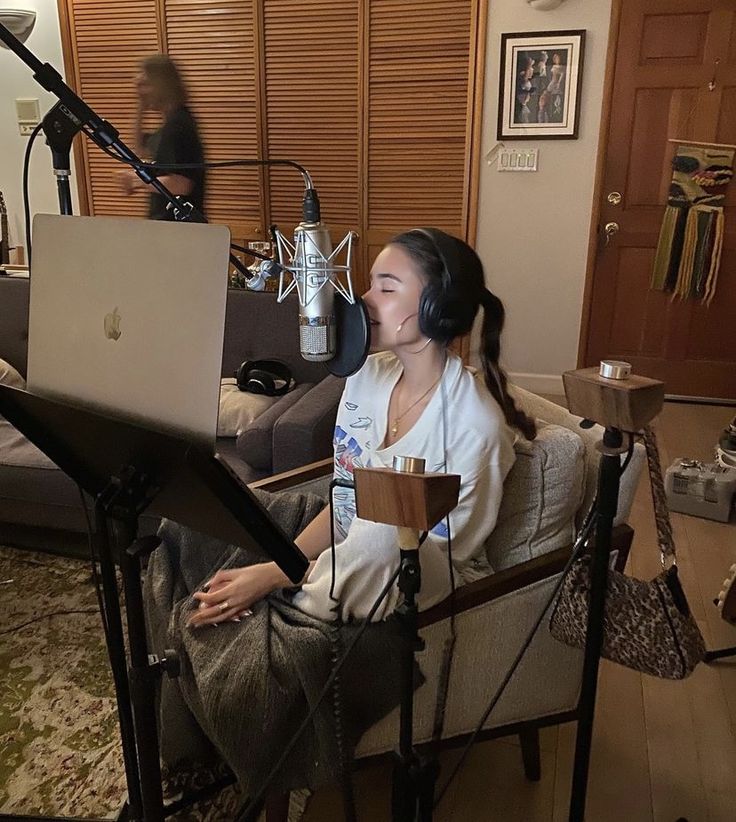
[
  {"x": 409, "y": 500},
  {"x": 627, "y": 404}
]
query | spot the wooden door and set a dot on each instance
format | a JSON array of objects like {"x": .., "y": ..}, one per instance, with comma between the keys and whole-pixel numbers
[{"x": 674, "y": 77}]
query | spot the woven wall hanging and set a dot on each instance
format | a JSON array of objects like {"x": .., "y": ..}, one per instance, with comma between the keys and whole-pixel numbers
[{"x": 691, "y": 238}]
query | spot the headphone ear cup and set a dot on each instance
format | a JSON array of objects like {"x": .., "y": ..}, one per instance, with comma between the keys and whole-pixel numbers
[
  {"x": 260, "y": 382},
  {"x": 443, "y": 314},
  {"x": 430, "y": 311},
  {"x": 241, "y": 375},
  {"x": 260, "y": 376}
]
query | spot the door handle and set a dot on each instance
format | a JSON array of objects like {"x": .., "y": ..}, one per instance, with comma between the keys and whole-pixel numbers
[{"x": 610, "y": 230}]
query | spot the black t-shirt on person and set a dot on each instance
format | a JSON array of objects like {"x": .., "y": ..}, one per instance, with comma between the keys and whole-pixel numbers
[{"x": 177, "y": 141}]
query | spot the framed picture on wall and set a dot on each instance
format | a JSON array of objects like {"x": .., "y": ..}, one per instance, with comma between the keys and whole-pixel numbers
[{"x": 540, "y": 80}]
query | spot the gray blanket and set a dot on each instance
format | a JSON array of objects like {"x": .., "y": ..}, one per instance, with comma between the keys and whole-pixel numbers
[{"x": 245, "y": 687}]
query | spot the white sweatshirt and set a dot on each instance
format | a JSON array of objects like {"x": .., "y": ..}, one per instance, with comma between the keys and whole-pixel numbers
[{"x": 462, "y": 430}]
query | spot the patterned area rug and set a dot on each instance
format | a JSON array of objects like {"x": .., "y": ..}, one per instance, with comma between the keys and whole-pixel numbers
[{"x": 60, "y": 749}]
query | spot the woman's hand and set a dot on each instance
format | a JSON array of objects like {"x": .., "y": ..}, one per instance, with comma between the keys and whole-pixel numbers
[
  {"x": 231, "y": 592},
  {"x": 128, "y": 181}
]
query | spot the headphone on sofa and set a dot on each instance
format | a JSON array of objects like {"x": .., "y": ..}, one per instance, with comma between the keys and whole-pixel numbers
[
  {"x": 261, "y": 376},
  {"x": 446, "y": 309}
]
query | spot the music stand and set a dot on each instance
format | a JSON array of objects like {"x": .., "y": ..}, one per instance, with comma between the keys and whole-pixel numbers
[{"x": 128, "y": 468}]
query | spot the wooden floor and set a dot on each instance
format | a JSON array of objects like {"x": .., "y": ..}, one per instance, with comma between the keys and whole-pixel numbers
[{"x": 662, "y": 750}]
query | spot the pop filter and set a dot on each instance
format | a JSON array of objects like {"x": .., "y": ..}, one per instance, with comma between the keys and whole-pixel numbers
[{"x": 353, "y": 337}]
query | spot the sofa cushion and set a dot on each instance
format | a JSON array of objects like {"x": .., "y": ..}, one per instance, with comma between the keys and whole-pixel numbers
[
  {"x": 10, "y": 376},
  {"x": 255, "y": 443},
  {"x": 541, "y": 494},
  {"x": 238, "y": 409}
]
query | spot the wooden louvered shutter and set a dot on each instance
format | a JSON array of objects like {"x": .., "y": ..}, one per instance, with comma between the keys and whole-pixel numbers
[
  {"x": 378, "y": 99},
  {"x": 311, "y": 101},
  {"x": 108, "y": 41},
  {"x": 421, "y": 66},
  {"x": 214, "y": 47}
]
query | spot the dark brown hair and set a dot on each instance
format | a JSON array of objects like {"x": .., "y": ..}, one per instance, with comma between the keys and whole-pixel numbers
[
  {"x": 469, "y": 287},
  {"x": 164, "y": 76}
]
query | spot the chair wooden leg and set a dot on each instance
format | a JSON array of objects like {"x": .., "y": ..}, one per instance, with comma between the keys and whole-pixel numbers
[
  {"x": 277, "y": 807},
  {"x": 529, "y": 738}
]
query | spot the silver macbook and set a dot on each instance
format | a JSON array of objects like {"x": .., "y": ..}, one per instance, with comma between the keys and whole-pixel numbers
[{"x": 127, "y": 317}]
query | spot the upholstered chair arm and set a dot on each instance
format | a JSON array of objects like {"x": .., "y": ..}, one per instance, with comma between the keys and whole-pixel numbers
[
  {"x": 292, "y": 480},
  {"x": 518, "y": 577},
  {"x": 483, "y": 590}
]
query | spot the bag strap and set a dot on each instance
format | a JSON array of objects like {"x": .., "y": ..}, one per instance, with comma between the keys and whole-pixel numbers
[{"x": 661, "y": 511}]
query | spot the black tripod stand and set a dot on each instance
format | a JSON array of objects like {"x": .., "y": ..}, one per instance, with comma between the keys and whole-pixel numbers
[
  {"x": 128, "y": 469},
  {"x": 414, "y": 501},
  {"x": 414, "y": 776},
  {"x": 621, "y": 403}
]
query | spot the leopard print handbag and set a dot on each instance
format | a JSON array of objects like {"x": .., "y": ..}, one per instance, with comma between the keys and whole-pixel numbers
[{"x": 647, "y": 624}]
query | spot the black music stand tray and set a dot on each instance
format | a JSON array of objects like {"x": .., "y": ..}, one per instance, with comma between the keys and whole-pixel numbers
[{"x": 128, "y": 468}]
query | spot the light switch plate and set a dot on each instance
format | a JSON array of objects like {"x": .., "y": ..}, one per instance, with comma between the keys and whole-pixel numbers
[
  {"x": 28, "y": 115},
  {"x": 517, "y": 159}
]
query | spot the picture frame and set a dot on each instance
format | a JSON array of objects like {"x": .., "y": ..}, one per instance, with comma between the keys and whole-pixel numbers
[{"x": 539, "y": 85}]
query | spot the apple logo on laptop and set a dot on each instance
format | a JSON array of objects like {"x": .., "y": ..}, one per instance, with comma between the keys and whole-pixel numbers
[{"x": 112, "y": 324}]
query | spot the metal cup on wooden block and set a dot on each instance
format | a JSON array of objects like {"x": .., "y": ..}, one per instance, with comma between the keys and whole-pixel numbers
[
  {"x": 405, "y": 495},
  {"x": 612, "y": 396}
]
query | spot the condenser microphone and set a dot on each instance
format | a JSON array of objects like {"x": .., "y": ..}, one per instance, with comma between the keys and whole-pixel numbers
[
  {"x": 312, "y": 251},
  {"x": 329, "y": 331}
]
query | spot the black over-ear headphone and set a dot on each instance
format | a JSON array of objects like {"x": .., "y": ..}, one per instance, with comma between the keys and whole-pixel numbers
[
  {"x": 447, "y": 307},
  {"x": 260, "y": 376}
]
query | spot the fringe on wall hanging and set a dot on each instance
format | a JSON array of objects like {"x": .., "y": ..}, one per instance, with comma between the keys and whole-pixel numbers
[{"x": 691, "y": 238}]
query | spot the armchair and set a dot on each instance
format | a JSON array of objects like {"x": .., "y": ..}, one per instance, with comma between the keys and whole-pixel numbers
[{"x": 545, "y": 495}]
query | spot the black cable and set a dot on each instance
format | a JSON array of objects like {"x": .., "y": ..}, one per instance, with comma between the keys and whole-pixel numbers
[
  {"x": 629, "y": 455},
  {"x": 346, "y": 780},
  {"x": 191, "y": 166},
  {"x": 95, "y": 573},
  {"x": 449, "y": 649},
  {"x": 335, "y": 483},
  {"x": 26, "y": 198},
  {"x": 48, "y": 616},
  {"x": 255, "y": 803},
  {"x": 580, "y": 543}
]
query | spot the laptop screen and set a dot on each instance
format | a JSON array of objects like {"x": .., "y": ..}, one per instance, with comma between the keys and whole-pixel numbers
[{"x": 127, "y": 317}]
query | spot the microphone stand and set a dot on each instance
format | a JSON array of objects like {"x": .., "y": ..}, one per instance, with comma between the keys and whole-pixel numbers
[
  {"x": 60, "y": 131},
  {"x": 127, "y": 469},
  {"x": 623, "y": 404},
  {"x": 414, "y": 501},
  {"x": 71, "y": 115}
]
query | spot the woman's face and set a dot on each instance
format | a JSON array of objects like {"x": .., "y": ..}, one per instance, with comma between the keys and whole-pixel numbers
[
  {"x": 147, "y": 91},
  {"x": 393, "y": 300}
]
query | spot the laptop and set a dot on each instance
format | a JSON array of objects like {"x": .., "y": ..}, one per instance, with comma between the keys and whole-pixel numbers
[{"x": 127, "y": 317}]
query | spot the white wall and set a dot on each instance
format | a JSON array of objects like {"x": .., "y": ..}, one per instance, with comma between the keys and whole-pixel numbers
[
  {"x": 533, "y": 227},
  {"x": 16, "y": 80}
]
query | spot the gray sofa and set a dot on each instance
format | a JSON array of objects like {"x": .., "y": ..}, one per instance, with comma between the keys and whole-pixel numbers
[{"x": 40, "y": 506}]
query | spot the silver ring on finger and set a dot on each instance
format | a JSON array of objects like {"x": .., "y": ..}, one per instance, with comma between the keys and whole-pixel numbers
[{"x": 224, "y": 606}]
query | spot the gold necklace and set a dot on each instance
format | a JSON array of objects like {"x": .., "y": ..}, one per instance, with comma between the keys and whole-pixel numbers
[{"x": 397, "y": 419}]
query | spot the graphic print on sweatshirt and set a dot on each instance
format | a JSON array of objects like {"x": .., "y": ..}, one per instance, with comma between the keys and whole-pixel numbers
[{"x": 349, "y": 454}]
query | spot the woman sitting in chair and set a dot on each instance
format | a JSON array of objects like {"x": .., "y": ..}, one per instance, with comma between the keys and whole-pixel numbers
[{"x": 412, "y": 397}]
